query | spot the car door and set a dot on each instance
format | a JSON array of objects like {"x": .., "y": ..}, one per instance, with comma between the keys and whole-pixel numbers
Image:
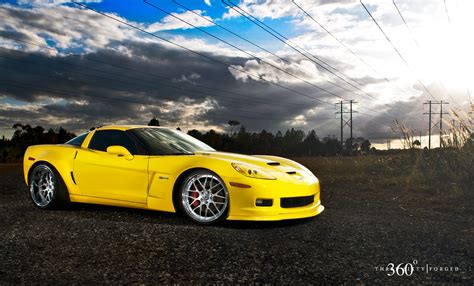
[{"x": 105, "y": 175}]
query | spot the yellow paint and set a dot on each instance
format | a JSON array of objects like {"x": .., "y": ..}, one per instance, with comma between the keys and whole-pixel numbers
[{"x": 147, "y": 182}]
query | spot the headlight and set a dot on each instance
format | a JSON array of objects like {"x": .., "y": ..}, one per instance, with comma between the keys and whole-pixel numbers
[{"x": 251, "y": 171}]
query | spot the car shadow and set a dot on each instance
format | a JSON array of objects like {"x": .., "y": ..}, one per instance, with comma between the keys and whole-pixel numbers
[
  {"x": 266, "y": 224},
  {"x": 122, "y": 214}
]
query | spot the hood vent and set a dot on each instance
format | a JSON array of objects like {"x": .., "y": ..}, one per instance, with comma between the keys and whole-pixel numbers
[
  {"x": 291, "y": 173},
  {"x": 273, "y": 164}
]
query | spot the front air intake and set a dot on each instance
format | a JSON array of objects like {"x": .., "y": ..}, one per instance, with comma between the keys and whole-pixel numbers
[{"x": 296, "y": 202}]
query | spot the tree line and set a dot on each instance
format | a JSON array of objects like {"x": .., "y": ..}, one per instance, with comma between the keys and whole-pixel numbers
[
  {"x": 292, "y": 142},
  {"x": 25, "y": 135}
]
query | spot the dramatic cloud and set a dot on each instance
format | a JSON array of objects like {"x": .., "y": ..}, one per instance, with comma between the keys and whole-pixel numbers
[
  {"x": 276, "y": 9},
  {"x": 110, "y": 87},
  {"x": 62, "y": 65},
  {"x": 171, "y": 23},
  {"x": 277, "y": 71},
  {"x": 62, "y": 28}
]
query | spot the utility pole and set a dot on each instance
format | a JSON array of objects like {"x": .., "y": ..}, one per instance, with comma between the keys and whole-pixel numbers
[
  {"x": 350, "y": 110},
  {"x": 342, "y": 129},
  {"x": 429, "y": 129},
  {"x": 346, "y": 122},
  {"x": 439, "y": 123}
]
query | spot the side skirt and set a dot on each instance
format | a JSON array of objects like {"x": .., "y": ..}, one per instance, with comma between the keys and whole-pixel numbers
[{"x": 108, "y": 202}]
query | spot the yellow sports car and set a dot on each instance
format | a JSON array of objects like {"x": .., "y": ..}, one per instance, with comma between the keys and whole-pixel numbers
[{"x": 162, "y": 169}]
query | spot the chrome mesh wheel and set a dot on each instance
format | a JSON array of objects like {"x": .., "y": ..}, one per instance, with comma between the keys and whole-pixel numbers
[
  {"x": 204, "y": 197},
  {"x": 42, "y": 185}
]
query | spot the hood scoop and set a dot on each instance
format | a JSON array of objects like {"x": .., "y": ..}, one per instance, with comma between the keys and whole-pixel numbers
[{"x": 273, "y": 163}]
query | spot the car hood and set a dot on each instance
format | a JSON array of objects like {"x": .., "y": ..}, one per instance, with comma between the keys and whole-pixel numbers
[{"x": 277, "y": 166}]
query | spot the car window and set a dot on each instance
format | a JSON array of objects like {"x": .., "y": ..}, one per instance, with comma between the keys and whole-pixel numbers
[
  {"x": 162, "y": 141},
  {"x": 77, "y": 141},
  {"x": 102, "y": 139}
]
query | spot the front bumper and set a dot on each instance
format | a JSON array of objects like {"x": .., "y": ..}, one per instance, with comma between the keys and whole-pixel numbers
[{"x": 243, "y": 200}]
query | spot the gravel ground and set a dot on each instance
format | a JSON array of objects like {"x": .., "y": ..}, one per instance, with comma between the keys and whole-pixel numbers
[{"x": 360, "y": 230}]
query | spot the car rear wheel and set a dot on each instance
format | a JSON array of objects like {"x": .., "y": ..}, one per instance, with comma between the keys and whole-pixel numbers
[
  {"x": 204, "y": 197},
  {"x": 47, "y": 189}
]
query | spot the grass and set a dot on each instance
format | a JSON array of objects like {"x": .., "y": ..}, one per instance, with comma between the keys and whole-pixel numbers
[{"x": 435, "y": 170}]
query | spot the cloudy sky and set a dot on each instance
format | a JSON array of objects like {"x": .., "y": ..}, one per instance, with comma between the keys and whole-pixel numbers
[{"x": 200, "y": 63}]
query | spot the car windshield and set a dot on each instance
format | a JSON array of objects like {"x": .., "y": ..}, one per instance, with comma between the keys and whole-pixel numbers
[{"x": 161, "y": 141}]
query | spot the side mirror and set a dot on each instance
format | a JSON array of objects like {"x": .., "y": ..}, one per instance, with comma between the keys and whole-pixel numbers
[{"x": 120, "y": 151}]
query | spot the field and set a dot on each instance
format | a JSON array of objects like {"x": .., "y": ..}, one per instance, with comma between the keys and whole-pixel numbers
[{"x": 379, "y": 210}]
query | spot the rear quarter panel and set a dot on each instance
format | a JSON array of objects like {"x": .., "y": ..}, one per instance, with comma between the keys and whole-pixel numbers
[{"x": 61, "y": 157}]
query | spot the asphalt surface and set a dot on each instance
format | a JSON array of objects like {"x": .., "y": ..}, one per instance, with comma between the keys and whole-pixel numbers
[{"x": 360, "y": 230}]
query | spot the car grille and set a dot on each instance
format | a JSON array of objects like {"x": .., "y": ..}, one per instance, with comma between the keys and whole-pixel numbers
[{"x": 296, "y": 202}]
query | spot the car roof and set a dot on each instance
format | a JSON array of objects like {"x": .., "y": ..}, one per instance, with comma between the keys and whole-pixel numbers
[{"x": 126, "y": 127}]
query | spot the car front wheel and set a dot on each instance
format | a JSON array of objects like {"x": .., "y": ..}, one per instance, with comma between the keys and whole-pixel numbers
[{"x": 204, "y": 197}]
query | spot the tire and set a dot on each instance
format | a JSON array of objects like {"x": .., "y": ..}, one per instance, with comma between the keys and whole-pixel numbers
[
  {"x": 203, "y": 197},
  {"x": 47, "y": 189}
]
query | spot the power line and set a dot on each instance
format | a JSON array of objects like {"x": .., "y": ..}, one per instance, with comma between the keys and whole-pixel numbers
[
  {"x": 405, "y": 22},
  {"x": 343, "y": 45},
  {"x": 286, "y": 41},
  {"x": 133, "y": 78},
  {"x": 326, "y": 66},
  {"x": 180, "y": 88},
  {"x": 151, "y": 85},
  {"x": 243, "y": 109},
  {"x": 446, "y": 10},
  {"x": 247, "y": 53},
  {"x": 395, "y": 48},
  {"x": 198, "y": 53},
  {"x": 231, "y": 32},
  {"x": 416, "y": 43},
  {"x": 128, "y": 101},
  {"x": 67, "y": 93},
  {"x": 243, "y": 38},
  {"x": 252, "y": 55},
  {"x": 224, "y": 28},
  {"x": 208, "y": 20},
  {"x": 120, "y": 82},
  {"x": 155, "y": 75},
  {"x": 137, "y": 28},
  {"x": 201, "y": 54},
  {"x": 160, "y": 38}
]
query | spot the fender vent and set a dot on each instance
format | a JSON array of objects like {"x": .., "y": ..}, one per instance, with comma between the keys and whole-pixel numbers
[
  {"x": 273, "y": 164},
  {"x": 73, "y": 179}
]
